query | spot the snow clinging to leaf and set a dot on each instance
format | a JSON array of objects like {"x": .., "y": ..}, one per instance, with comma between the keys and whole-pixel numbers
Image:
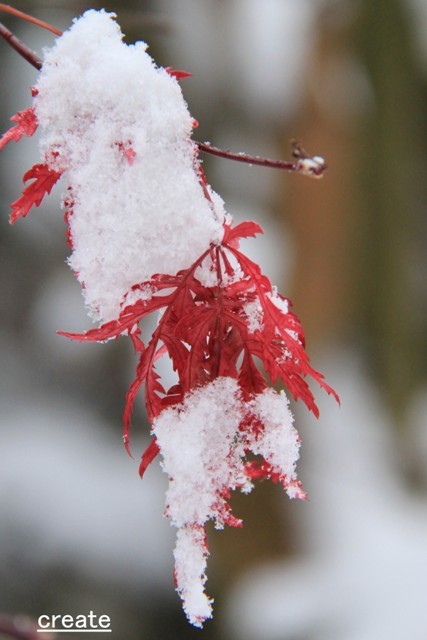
[
  {"x": 118, "y": 127},
  {"x": 204, "y": 442}
]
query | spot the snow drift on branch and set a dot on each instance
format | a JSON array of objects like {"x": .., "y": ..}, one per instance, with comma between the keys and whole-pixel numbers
[{"x": 118, "y": 128}]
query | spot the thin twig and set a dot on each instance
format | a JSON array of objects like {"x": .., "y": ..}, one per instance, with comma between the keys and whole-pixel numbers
[
  {"x": 313, "y": 167},
  {"x": 26, "y": 16},
  {"x": 307, "y": 165},
  {"x": 24, "y": 51},
  {"x": 243, "y": 157}
]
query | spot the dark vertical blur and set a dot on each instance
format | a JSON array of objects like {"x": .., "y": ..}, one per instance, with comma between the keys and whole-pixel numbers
[
  {"x": 393, "y": 208},
  {"x": 361, "y": 233}
]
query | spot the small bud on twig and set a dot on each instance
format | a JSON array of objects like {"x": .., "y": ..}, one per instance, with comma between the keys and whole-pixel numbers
[{"x": 313, "y": 167}]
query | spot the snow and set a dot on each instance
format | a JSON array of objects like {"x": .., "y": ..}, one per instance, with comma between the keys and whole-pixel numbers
[
  {"x": 312, "y": 167},
  {"x": 99, "y": 101},
  {"x": 279, "y": 443},
  {"x": 198, "y": 444},
  {"x": 254, "y": 316},
  {"x": 190, "y": 566},
  {"x": 201, "y": 458},
  {"x": 203, "y": 443},
  {"x": 280, "y": 302}
]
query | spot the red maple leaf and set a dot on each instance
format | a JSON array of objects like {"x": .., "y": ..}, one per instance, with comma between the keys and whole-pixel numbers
[
  {"x": 212, "y": 331},
  {"x": 178, "y": 73},
  {"x": 26, "y": 126},
  {"x": 44, "y": 178}
]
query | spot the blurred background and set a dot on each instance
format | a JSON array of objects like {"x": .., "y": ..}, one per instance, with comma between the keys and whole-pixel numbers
[{"x": 78, "y": 530}]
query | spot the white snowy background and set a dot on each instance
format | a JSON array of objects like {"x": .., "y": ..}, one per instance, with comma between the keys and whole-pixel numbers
[{"x": 78, "y": 530}]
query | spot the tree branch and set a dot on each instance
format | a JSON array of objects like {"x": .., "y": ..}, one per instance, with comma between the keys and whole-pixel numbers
[
  {"x": 310, "y": 166},
  {"x": 313, "y": 167},
  {"x": 17, "y": 44},
  {"x": 25, "y": 16}
]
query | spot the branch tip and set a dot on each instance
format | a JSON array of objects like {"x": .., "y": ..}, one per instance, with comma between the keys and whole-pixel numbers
[
  {"x": 312, "y": 166},
  {"x": 17, "y": 44}
]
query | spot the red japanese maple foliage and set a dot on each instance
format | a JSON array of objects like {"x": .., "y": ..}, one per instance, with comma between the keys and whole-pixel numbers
[
  {"x": 206, "y": 332},
  {"x": 228, "y": 333},
  {"x": 42, "y": 175},
  {"x": 44, "y": 179},
  {"x": 26, "y": 126}
]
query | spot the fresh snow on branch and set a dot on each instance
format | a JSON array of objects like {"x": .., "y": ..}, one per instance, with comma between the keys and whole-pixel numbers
[{"x": 118, "y": 129}]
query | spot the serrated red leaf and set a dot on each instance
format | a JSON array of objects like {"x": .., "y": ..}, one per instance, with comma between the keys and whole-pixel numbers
[
  {"x": 178, "y": 73},
  {"x": 247, "y": 229},
  {"x": 251, "y": 380},
  {"x": 44, "y": 179},
  {"x": 173, "y": 397},
  {"x": 106, "y": 332},
  {"x": 177, "y": 351},
  {"x": 206, "y": 332},
  {"x": 148, "y": 456},
  {"x": 129, "y": 317},
  {"x": 141, "y": 374},
  {"x": 26, "y": 126},
  {"x": 154, "y": 394}
]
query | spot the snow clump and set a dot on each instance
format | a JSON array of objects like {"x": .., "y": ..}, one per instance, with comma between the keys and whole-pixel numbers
[
  {"x": 203, "y": 443},
  {"x": 119, "y": 130}
]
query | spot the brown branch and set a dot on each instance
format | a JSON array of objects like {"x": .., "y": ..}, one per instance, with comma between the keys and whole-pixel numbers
[
  {"x": 17, "y": 44},
  {"x": 314, "y": 166},
  {"x": 310, "y": 166}
]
